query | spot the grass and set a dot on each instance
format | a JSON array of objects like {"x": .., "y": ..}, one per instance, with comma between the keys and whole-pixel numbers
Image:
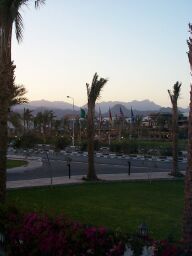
[
  {"x": 15, "y": 163},
  {"x": 118, "y": 205}
]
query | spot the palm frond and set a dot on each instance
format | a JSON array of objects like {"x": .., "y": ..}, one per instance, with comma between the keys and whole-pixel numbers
[
  {"x": 17, "y": 95},
  {"x": 38, "y": 2},
  {"x": 10, "y": 13},
  {"x": 175, "y": 93},
  {"x": 189, "y": 42},
  {"x": 176, "y": 90},
  {"x": 88, "y": 90},
  {"x": 170, "y": 95},
  {"x": 19, "y": 27},
  {"x": 94, "y": 91}
]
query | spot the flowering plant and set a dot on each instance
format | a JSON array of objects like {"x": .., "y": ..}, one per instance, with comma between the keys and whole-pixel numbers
[{"x": 34, "y": 234}]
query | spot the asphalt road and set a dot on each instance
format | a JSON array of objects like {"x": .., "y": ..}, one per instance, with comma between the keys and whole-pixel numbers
[{"x": 56, "y": 166}]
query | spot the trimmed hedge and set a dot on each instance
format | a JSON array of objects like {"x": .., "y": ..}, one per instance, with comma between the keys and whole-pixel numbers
[{"x": 135, "y": 146}]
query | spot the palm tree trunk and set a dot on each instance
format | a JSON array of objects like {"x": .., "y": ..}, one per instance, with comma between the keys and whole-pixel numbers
[
  {"x": 187, "y": 217},
  {"x": 3, "y": 150},
  {"x": 6, "y": 82},
  {"x": 174, "y": 171},
  {"x": 91, "y": 175}
]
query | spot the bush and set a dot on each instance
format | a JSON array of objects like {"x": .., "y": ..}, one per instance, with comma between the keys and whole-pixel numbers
[
  {"x": 41, "y": 235},
  {"x": 125, "y": 146},
  {"x": 28, "y": 140},
  {"x": 62, "y": 142},
  {"x": 33, "y": 234},
  {"x": 145, "y": 147},
  {"x": 83, "y": 145},
  {"x": 166, "y": 248}
]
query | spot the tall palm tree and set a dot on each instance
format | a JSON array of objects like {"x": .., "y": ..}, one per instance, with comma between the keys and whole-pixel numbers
[
  {"x": 52, "y": 117},
  {"x": 138, "y": 124},
  {"x": 17, "y": 97},
  {"x": 174, "y": 95},
  {"x": 9, "y": 15},
  {"x": 93, "y": 93},
  {"x": 27, "y": 117},
  {"x": 16, "y": 121},
  {"x": 187, "y": 217},
  {"x": 38, "y": 122},
  {"x": 47, "y": 119}
]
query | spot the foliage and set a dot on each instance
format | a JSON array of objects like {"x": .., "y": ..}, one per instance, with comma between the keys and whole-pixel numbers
[
  {"x": 177, "y": 248},
  {"x": 62, "y": 141},
  {"x": 17, "y": 94},
  {"x": 124, "y": 146},
  {"x": 83, "y": 145},
  {"x": 174, "y": 94},
  {"x": 150, "y": 147},
  {"x": 37, "y": 234},
  {"x": 28, "y": 140}
]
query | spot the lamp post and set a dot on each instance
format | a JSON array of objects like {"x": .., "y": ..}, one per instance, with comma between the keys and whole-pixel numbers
[{"x": 73, "y": 137}]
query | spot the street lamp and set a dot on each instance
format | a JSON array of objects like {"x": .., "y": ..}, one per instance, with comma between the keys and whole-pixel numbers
[{"x": 73, "y": 137}]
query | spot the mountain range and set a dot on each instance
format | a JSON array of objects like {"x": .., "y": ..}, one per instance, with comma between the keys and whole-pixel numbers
[{"x": 61, "y": 108}]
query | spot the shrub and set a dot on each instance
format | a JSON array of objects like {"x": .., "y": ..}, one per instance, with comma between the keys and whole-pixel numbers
[
  {"x": 28, "y": 140},
  {"x": 166, "y": 248},
  {"x": 144, "y": 147},
  {"x": 33, "y": 234},
  {"x": 62, "y": 142}
]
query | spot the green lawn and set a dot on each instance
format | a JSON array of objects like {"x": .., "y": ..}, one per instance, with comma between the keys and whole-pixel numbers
[
  {"x": 15, "y": 163},
  {"x": 117, "y": 205}
]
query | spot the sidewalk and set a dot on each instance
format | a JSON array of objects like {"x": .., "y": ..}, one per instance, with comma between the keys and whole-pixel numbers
[{"x": 78, "y": 179}]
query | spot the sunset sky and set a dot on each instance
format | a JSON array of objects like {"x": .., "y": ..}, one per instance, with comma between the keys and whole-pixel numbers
[{"x": 139, "y": 45}]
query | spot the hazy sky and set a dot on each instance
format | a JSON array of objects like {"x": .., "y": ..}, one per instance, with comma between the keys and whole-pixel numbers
[{"x": 139, "y": 45}]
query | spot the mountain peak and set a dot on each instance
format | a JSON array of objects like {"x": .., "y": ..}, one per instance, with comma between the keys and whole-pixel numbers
[{"x": 142, "y": 105}]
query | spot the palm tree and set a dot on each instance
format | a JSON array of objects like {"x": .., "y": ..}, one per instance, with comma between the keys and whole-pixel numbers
[
  {"x": 187, "y": 217},
  {"x": 174, "y": 95},
  {"x": 51, "y": 120},
  {"x": 27, "y": 117},
  {"x": 9, "y": 15},
  {"x": 17, "y": 97},
  {"x": 47, "y": 119},
  {"x": 16, "y": 121},
  {"x": 138, "y": 124},
  {"x": 93, "y": 93},
  {"x": 38, "y": 122}
]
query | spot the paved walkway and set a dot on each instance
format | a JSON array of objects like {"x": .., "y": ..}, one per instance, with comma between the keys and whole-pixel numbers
[
  {"x": 34, "y": 162},
  {"x": 78, "y": 179}
]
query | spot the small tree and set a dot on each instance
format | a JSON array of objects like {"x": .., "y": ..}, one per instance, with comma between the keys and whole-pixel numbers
[
  {"x": 174, "y": 95},
  {"x": 93, "y": 93}
]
